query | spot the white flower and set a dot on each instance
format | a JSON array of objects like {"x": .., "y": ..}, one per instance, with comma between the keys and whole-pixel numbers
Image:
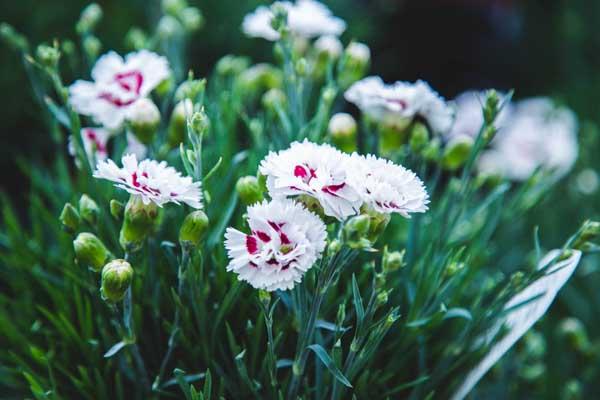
[
  {"x": 143, "y": 112},
  {"x": 95, "y": 142},
  {"x": 118, "y": 84},
  {"x": 399, "y": 103},
  {"x": 306, "y": 19},
  {"x": 359, "y": 52},
  {"x": 537, "y": 135},
  {"x": 469, "y": 115},
  {"x": 318, "y": 171},
  {"x": 329, "y": 45},
  {"x": 342, "y": 124},
  {"x": 153, "y": 181},
  {"x": 387, "y": 187},
  {"x": 284, "y": 242}
]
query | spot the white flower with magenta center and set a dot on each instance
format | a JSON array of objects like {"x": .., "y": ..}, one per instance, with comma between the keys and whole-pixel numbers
[
  {"x": 387, "y": 187},
  {"x": 399, "y": 103},
  {"x": 153, "y": 181},
  {"x": 95, "y": 143},
  {"x": 318, "y": 171},
  {"x": 284, "y": 242},
  {"x": 306, "y": 19},
  {"x": 118, "y": 84}
]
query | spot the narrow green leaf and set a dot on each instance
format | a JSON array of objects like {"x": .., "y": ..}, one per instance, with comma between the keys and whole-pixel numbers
[
  {"x": 357, "y": 299},
  {"x": 328, "y": 362}
]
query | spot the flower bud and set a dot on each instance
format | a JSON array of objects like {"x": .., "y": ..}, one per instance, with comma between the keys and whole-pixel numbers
[
  {"x": 13, "y": 38},
  {"x": 193, "y": 229},
  {"x": 140, "y": 220},
  {"x": 92, "y": 46},
  {"x": 432, "y": 150},
  {"x": 392, "y": 137},
  {"x": 69, "y": 218},
  {"x": 329, "y": 47},
  {"x": 88, "y": 209},
  {"x": 231, "y": 65},
  {"x": 249, "y": 190},
  {"x": 490, "y": 109},
  {"x": 136, "y": 39},
  {"x": 90, "y": 16},
  {"x": 589, "y": 232},
  {"x": 301, "y": 67},
  {"x": 178, "y": 123},
  {"x": 90, "y": 251},
  {"x": 265, "y": 298},
  {"x": 190, "y": 89},
  {"x": 192, "y": 19},
  {"x": 382, "y": 298},
  {"x": 116, "y": 209},
  {"x": 392, "y": 260},
  {"x": 260, "y": 77},
  {"x": 328, "y": 96},
  {"x": 457, "y": 152},
  {"x": 116, "y": 279},
  {"x": 273, "y": 99},
  {"x": 419, "y": 137},
  {"x": 342, "y": 130},
  {"x": 354, "y": 64},
  {"x": 173, "y": 7},
  {"x": 334, "y": 247},
  {"x": 200, "y": 123},
  {"x": 356, "y": 231},
  {"x": 168, "y": 27},
  {"x": 144, "y": 118},
  {"x": 378, "y": 223},
  {"x": 48, "y": 56},
  {"x": 279, "y": 19},
  {"x": 572, "y": 390}
]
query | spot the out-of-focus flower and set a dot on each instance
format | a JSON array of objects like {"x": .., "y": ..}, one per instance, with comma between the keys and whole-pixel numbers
[
  {"x": 342, "y": 130},
  {"x": 118, "y": 84},
  {"x": 387, "y": 187},
  {"x": 400, "y": 103},
  {"x": 537, "y": 136},
  {"x": 587, "y": 181},
  {"x": 306, "y": 19},
  {"x": 330, "y": 46},
  {"x": 152, "y": 181},
  {"x": 285, "y": 241},
  {"x": 318, "y": 171},
  {"x": 95, "y": 141}
]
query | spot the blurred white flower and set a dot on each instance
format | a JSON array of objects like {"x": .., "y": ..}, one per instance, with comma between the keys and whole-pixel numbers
[
  {"x": 118, "y": 84},
  {"x": 284, "y": 242},
  {"x": 95, "y": 141},
  {"x": 359, "y": 52},
  {"x": 536, "y": 135},
  {"x": 387, "y": 187},
  {"x": 153, "y": 181},
  {"x": 399, "y": 103},
  {"x": 318, "y": 171},
  {"x": 329, "y": 45},
  {"x": 306, "y": 19},
  {"x": 587, "y": 181}
]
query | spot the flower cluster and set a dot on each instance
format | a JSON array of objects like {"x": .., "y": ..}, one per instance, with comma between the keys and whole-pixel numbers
[
  {"x": 306, "y": 19},
  {"x": 341, "y": 184},
  {"x": 152, "y": 181},
  {"x": 117, "y": 85},
  {"x": 400, "y": 103}
]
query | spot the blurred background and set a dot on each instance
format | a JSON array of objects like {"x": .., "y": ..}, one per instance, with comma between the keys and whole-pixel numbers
[{"x": 536, "y": 47}]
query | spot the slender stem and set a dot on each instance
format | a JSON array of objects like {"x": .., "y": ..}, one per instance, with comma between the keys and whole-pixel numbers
[
  {"x": 135, "y": 351},
  {"x": 185, "y": 259}
]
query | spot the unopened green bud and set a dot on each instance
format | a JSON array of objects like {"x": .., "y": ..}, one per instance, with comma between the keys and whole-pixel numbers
[
  {"x": 136, "y": 39},
  {"x": 90, "y": 16},
  {"x": 249, "y": 190},
  {"x": 334, "y": 247},
  {"x": 165, "y": 86},
  {"x": 356, "y": 232},
  {"x": 68, "y": 48},
  {"x": 489, "y": 132},
  {"x": 117, "y": 209},
  {"x": 382, "y": 298},
  {"x": 92, "y": 46},
  {"x": 392, "y": 260},
  {"x": 260, "y": 77},
  {"x": 378, "y": 223},
  {"x": 264, "y": 297},
  {"x": 200, "y": 123},
  {"x": 574, "y": 331},
  {"x": 88, "y": 209},
  {"x": 231, "y": 65},
  {"x": 516, "y": 279},
  {"x": 178, "y": 123},
  {"x": 69, "y": 218},
  {"x": 140, "y": 220},
  {"x": 342, "y": 130},
  {"x": 301, "y": 67},
  {"x": 354, "y": 64},
  {"x": 194, "y": 228},
  {"x": 48, "y": 55},
  {"x": 90, "y": 251},
  {"x": 279, "y": 19},
  {"x": 192, "y": 19},
  {"x": 13, "y": 38},
  {"x": 589, "y": 232},
  {"x": 457, "y": 152},
  {"x": 144, "y": 118},
  {"x": 491, "y": 106},
  {"x": 419, "y": 136},
  {"x": 273, "y": 99},
  {"x": 328, "y": 96},
  {"x": 190, "y": 89},
  {"x": 168, "y": 27},
  {"x": 392, "y": 136},
  {"x": 173, "y": 7},
  {"x": 432, "y": 150},
  {"x": 116, "y": 279}
]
